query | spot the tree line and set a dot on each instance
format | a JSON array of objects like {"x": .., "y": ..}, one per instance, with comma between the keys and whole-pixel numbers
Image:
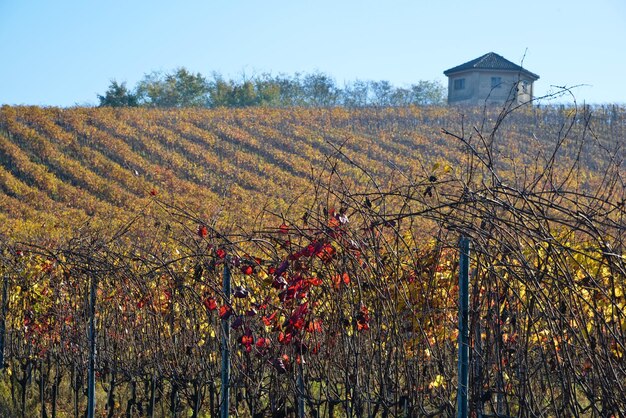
[{"x": 182, "y": 88}]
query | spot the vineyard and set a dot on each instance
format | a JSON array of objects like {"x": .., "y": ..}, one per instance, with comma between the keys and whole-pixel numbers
[{"x": 338, "y": 230}]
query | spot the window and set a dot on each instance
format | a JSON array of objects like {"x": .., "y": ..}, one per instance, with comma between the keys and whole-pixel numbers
[
  {"x": 459, "y": 84},
  {"x": 496, "y": 82}
]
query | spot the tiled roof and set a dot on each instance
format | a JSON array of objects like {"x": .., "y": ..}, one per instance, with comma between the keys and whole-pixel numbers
[{"x": 490, "y": 61}]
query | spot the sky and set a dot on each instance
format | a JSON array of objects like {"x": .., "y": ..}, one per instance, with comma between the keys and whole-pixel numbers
[{"x": 66, "y": 52}]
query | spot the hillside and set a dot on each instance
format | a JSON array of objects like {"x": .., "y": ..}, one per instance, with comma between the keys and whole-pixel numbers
[
  {"x": 63, "y": 167},
  {"x": 313, "y": 255}
]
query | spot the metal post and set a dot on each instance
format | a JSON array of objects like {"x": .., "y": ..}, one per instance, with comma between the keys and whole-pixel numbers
[
  {"x": 91, "y": 377},
  {"x": 5, "y": 302},
  {"x": 225, "y": 347},
  {"x": 301, "y": 407},
  {"x": 462, "y": 389}
]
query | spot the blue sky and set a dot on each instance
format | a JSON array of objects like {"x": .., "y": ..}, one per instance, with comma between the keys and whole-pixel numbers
[{"x": 65, "y": 52}]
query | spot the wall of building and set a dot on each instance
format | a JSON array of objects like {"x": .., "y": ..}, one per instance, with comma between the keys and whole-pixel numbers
[{"x": 478, "y": 87}]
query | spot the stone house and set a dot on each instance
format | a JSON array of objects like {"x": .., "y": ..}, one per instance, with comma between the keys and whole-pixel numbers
[{"x": 489, "y": 79}]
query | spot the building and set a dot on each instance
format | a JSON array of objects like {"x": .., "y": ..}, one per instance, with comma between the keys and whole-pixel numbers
[{"x": 490, "y": 79}]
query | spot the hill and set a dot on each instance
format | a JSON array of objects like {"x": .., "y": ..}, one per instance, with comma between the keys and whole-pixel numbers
[{"x": 60, "y": 168}]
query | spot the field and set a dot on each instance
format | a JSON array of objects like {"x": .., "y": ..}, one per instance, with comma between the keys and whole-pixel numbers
[{"x": 338, "y": 229}]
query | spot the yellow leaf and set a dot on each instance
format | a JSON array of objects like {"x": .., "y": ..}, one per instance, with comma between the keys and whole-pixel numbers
[{"x": 438, "y": 382}]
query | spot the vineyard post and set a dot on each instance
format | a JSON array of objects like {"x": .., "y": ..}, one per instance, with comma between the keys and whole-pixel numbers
[
  {"x": 91, "y": 378},
  {"x": 5, "y": 302},
  {"x": 225, "y": 346},
  {"x": 463, "y": 374},
  {"x": 301, "y": 408}
]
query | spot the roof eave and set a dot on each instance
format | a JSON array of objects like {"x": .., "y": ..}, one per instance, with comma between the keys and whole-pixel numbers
[{"x": 451, "y": 71}]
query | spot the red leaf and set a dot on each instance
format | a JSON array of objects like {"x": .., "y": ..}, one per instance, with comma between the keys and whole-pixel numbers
[
  {"x": 285, "y": 338},
  {"x": 338, "y": 280},
  {"x": 333, "y": 222},
  {"x": 220, "y": 252},
  {"x": 362, "y": 326},
  {"x": 225, "y": 312},
  {"x": 314, "y": 326},
  {"x": 267, "y": 320},
  {"x": 362, "y": 319},
  {"x": 315, "y": 281},
  {"x": 210, "y": 304},
  {"x": 203, "y": 231},
  {"x": 298, "y": 323},
  {"x": 326, "y": 253},
  {"x": 262, "y": 342},
  {"x": 247, "y": 339},
  {"x": 301, "y": 310}
]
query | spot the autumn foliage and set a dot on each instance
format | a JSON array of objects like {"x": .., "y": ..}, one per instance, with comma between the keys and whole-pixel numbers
[{"x": 342, "y": 253}]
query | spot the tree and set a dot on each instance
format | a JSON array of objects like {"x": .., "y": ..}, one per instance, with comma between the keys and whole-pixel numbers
[
  {"x": 182, "y": 88},
  {"x": 356, "y": 94},
  {"x": 179, "y": 89},
  {"x": 427, "y": 93},
  {"x": 192, "y": 89},
  {"x": 118, "y": 95},
  {"x": 268, "y": 91},
  {"x": 245, "y": 95},
  {"x": 383, "y": 93},
  {"x": 320, "y": 90},
  {"x": 220, "y": 91},
  {"x": 291, "y": 92},
  {"x": 400, "y": 97},
  {"x": 263, "y": 90}
]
